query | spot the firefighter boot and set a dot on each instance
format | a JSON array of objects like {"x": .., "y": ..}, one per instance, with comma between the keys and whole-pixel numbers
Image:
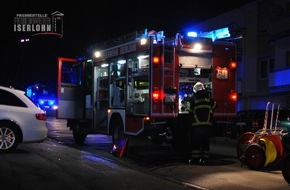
[
  {"x": 202, "y": 161},
  {"x": 193, "y": 161},
  {"x": 195, "y": 157},
  {"x": 204, "y": 158}
]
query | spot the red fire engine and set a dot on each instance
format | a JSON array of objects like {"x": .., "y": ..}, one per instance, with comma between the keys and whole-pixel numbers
[{"x": 140, "y": 85}]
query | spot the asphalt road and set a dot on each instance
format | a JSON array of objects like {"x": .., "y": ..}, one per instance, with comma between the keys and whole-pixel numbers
[{"x": 58, "y": 163}]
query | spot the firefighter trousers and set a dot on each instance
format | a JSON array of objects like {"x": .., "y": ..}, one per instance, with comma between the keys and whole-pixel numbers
[{"x": 200, "y": 140}]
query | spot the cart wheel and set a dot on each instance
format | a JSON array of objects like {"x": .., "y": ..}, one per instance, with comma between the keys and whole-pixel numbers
[
  {"x": 286, "y": 168},
  {"x": 243, "y": 143},
  {"x": 255, "y": 157}
]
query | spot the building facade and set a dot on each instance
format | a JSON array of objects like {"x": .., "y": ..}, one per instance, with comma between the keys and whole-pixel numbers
[{"x": 261, "y": 31}]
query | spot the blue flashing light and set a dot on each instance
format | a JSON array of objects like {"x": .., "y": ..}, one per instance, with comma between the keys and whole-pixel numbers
[
  {"x": 192, "y": 34},
  {"x": 41, "y": 102},
  {"x": 46, "y": 102},
  {"x": 29, "y": 92},
  {"x": 80, "y": 58},
  {"x": 51, "y": 102},
  {"x": 221, "y": 33}
]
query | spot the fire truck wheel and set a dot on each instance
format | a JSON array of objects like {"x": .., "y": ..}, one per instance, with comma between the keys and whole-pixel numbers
[
  {"x": 242, "y": 144},
  {"x": 118, "y": 131},
  {"x": 286, "y": 168},
  {"x": 255, "y": 157},
  {"x": 119, "y": 139},
  {"x": 78, "y": 134}
]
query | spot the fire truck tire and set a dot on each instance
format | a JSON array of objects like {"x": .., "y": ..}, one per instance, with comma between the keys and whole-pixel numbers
[
  {"x": 242, "y": 144},
  {"x": 286, "y": 168},
  {"x": 119, "y": 139},
  {"x": 255, "y": 157},
  {"x": 78, "y": 134},
  {"x": 118, "y": 131}
]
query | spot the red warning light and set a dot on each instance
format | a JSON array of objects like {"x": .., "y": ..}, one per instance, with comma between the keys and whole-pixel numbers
[
  {"x": 233, "y": 65},
  {"x": 156, "y": 60},
  {"x": 234, "y": 96},
  {"x": 156, "y": 95}
]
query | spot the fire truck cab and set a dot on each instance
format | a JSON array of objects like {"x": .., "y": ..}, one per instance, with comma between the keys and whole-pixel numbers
[{"x": 140, "y": 84}]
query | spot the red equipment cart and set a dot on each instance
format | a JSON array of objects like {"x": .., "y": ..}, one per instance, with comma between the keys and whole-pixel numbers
[{"x": 263, "y": 148}]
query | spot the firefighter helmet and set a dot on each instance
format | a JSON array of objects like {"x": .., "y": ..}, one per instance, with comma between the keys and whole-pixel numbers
[{"x": 197, "y": 87}]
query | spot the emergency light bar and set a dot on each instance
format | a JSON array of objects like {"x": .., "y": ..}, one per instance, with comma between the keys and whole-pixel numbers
[
  {"x": 214, "y": 35},
  {"x": 192, "y": 34}
]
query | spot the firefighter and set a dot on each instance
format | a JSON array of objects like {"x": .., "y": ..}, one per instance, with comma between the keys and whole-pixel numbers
[{"x": 201, "y": 109}]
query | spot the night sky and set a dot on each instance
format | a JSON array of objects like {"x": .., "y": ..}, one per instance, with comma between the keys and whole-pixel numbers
[{"x": 85, "y": 24}]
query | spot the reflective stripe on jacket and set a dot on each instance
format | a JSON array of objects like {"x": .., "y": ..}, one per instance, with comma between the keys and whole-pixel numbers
[{"x": 202, "y": 109}]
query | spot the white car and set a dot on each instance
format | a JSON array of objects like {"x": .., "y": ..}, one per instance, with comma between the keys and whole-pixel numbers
[{"x": 21, "y": 121}]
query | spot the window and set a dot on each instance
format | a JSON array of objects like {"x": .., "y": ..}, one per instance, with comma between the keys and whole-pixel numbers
[
  {"x": 138, "y": 83},
  {"x": 266, "y": 65},
  {"x": 271, "y": 64},
  {"x": 287, "y": 58},
  {"x": 9, "y": 99},
  {"x": 118, "y": 81},
  {"x": 264, "y": 72},
  {"x": 71, "y": 73},
  {"x": 287, "y": 9}
]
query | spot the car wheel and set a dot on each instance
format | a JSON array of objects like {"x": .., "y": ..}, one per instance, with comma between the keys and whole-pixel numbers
[
  {"x": 255, "y": 157},
  {"x": 286, "y": 168},
  {"x": 9, "y": 138},
  {"x": 79, "y": 134},
  {"x": 242, "y": 144}
]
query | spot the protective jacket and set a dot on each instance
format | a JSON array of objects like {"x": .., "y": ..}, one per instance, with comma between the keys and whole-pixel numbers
[{"x": 202, "y": 107}]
